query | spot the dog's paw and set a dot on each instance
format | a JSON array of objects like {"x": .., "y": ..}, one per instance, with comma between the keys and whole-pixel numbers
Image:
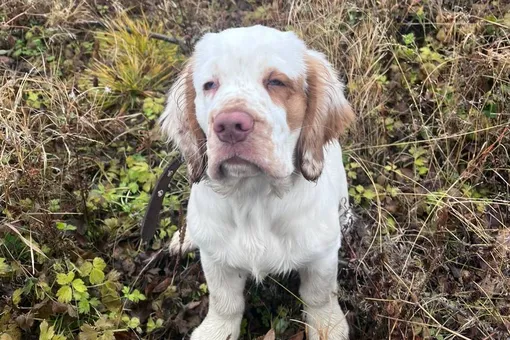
[
  {"x": 176, "y": 246},
  {"x": 326, "y": 324},
  {"x": 213, "y": 328}
]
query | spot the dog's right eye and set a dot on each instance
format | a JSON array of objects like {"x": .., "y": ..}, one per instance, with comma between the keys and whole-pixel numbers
[
  {"x": 275, "y": 82},
  {"x": 210, "y": 85}
]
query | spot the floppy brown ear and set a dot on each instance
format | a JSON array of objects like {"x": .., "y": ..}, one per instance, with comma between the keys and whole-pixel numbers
[
  {"x": 327, "y": 115},
  {"x": 179, "y": 123}
]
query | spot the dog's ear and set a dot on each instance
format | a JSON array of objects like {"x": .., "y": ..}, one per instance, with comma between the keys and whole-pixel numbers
[
  {"x": 179, "y": 123},
  {"x": 327, "y": 115}
]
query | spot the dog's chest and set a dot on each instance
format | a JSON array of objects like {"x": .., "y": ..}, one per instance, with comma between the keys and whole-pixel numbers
[
  {"x": 263, "y": 236},
  {"x": 264, "y": 246}
]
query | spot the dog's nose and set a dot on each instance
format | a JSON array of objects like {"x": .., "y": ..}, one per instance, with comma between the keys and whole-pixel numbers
[{"x": 233, "y": 127}]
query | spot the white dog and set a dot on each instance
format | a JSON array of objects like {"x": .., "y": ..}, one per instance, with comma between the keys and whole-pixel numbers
[{"x": 257, "y": 116}]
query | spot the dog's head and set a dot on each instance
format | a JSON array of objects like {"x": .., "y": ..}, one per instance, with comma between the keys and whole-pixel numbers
[{"x": 254, "y": 101}]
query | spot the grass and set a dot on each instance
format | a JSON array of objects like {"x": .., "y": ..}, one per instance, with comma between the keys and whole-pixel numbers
[
  {"x": 427, "y": 161},
  {"x": 131, "y": 63}
]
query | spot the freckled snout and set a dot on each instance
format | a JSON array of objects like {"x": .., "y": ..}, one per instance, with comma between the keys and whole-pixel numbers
[{"x": 233, "y": 127}]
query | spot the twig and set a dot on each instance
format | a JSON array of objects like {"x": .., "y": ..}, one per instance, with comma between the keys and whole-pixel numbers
[{"x": 162, "y": 37}]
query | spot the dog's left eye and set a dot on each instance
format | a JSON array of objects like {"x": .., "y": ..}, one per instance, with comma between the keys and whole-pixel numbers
[
  {"x": 210, "y": 85},
  {"x": 275, "y": 82}
]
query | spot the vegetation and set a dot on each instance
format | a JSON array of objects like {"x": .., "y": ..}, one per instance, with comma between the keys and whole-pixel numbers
[{"x": 427, "y": 160}]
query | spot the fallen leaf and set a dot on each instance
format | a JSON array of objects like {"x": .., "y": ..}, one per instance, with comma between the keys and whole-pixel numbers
[
  {"x": 162, "y": 286},
  {"x": 58, "y": 307},
  {"x": 25, "y": 321},
  {"x": 270, "y": 335},
  {"x": 193, "y": 305},
  {"x": 298, "y": 336}
]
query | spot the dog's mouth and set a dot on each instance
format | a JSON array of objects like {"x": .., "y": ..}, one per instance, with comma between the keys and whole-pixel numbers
[{"x": 239, "y": 167}]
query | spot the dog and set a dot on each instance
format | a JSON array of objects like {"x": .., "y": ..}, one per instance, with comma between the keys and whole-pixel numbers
[{"x": 257, "y": 116}]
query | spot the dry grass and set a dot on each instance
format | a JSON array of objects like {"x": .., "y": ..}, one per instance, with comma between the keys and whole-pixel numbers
[{"x": 428, "y": 163}]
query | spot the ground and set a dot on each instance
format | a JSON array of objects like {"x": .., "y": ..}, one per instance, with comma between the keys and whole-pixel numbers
[{"x": 428, "y": 163}]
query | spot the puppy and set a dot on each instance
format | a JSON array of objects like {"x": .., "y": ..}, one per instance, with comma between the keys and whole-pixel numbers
[{"x": 257, "y": 116}]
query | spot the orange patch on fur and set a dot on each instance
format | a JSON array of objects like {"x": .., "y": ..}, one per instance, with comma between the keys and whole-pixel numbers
[
  {"x": 327, "y": 115},
  {"x": 197, "y": 162},
  {"x": 291, "y": 97},
  {"x": 331, "y": 117}
]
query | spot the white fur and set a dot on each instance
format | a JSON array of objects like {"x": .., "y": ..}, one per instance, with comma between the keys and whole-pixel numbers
[{"x": 261, "y": 224}]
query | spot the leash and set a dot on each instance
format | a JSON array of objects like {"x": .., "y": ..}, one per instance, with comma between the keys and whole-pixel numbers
[{"x": 150, "y": 221}]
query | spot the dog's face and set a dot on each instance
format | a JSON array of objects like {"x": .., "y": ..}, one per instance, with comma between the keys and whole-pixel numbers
[{"x": 254, "y": 101}]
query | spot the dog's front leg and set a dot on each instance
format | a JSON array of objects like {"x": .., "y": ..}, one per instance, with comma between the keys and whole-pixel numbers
[
  {"x": 226, "y": 302},
  {"x": 323, "y": 315}
]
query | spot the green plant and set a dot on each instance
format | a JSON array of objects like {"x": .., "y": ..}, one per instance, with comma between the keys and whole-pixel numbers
[
  {"x": 420, "y": 160},
  {"x": 153, "y": 325},
  {"x": 36, "y": 99},
  {"x": 137, "y": 178},
  {"x": 409, "y": 39},
  {"x": 134, "y": 296},
  {"x": 351, "y": 170},
  {"x": 65, "y": 227},
  {"x": 153, "y": 107},
  {"x": 132, "y": 63},
  {"x": 31, "y": 45},
  {"x": 360, "y": 193},
  {"x": 48, "y": 332},
  {"x": 70, "y": 288},
  {"x": 5, "y": 268},
  {"x": 132, "y": 322}
]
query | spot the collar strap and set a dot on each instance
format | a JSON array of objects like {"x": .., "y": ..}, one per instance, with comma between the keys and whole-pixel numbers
[{"x": 151, "y": 220}]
